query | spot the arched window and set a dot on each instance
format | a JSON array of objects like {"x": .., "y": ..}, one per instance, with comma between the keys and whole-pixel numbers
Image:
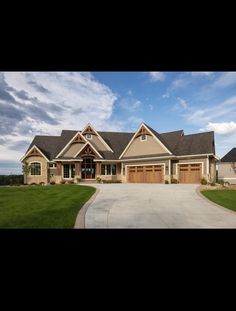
[{"x": 35, "y": 169}]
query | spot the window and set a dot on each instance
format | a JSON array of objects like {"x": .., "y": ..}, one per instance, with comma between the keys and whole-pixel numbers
[
  {"x": 88, "y": 136},
  {"x": 108, "y": 169},
  {"x": 69, "y": 170},
  {"x": 143, "y": 137},
  {"x": 35, "y": 169},
  {"x": 52, "y": 165}
]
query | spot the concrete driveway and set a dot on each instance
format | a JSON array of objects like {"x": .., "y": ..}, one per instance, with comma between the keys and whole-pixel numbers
[{"x": 154, "y": 206}]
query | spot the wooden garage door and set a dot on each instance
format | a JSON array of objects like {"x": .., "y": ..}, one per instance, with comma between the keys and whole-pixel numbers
[
  {"x": 190, "y": 173},
  {"x": 146, "y": 174}
]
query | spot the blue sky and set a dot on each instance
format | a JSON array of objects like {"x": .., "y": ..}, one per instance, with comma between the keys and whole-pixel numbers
[{"x": 44, "y": 103}]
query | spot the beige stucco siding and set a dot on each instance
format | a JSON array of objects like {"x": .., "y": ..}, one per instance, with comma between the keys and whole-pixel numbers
[
  {"x": 44, "y": 170},
  {"x": 73, "y": 149},
  {"x": 98, "y": 144},
  {"x": 150, "y": 146},
  {"x": 226, "y": 172}
]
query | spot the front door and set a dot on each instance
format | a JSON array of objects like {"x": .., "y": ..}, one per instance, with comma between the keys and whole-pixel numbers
[{"x": 88, "y": 169}]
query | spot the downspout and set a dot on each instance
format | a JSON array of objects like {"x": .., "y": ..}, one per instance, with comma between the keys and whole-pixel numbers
[{"x": 170, "y": 171}]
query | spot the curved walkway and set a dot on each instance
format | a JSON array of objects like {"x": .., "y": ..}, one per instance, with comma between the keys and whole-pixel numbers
[{"x": 154, "y": 206}]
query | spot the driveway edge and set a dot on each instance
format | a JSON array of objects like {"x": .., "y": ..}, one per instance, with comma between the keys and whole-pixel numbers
[
  {"x": 209, "y": 201},
  {"x": 80, "y": 219}
]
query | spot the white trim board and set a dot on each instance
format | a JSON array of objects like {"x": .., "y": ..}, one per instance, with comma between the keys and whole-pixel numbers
[
  {"x": 34, "y": 146},
  {"x": 154, "y": 136},
  {"x": 88, "y": 143},
  {"x": 41, "y": 169},
  {"x": 70, "y": 143},
  {"x": 146, "y": 164}
]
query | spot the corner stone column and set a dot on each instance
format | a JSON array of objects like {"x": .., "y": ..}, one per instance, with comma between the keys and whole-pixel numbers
[
  {"x": 77, "y": 169},
  {"x": 98, "y": 168}
]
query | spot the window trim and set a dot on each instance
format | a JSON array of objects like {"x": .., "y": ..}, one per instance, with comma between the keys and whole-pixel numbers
[
  {"x": 41, "y": 169},
  {"x": 110, "y": 169},
  {"x": 70, "y": 170},
  {"x": 143, "y": 139},
  {"x": 91, "y": 136}
]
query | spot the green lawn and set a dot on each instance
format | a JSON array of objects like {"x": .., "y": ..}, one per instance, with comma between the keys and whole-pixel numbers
[
  {"x": 226, "y": 198},
  {"x": 42, "y": 206}
]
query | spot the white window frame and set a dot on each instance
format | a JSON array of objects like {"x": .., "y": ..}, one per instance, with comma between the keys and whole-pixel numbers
[
  {"x": 91, "y": 136},
  {"x": 70, "y": 170},
  {"x": 106, "y": 169},
  {"x": 143, "y": 139},
  {"x": 41, "y": 168}
]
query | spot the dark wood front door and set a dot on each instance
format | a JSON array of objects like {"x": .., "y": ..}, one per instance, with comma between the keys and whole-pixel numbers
[{"x": 88, "y": 169}]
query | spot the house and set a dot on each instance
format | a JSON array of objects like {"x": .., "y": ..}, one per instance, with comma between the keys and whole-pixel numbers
[
  {"x": 227, "y": 167},
  {"x": 145, "y": 156}
]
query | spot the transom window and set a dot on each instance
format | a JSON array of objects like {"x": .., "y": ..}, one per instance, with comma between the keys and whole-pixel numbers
[
  {"x": 89, "y": 136},
  {"x": 108, "y": 169},
  {"x": 69, "y": 170},
  {"x": 143, "y": 137},
  {"x": 35, "y": 169}
]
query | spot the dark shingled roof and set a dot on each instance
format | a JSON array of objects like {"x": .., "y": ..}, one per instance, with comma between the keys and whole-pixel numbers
[
  {"x": 230, "y": 156},
  {"x": 176, "y": 142}
]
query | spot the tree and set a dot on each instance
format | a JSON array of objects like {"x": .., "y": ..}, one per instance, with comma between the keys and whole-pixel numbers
[{"x": 26, "y": 168}]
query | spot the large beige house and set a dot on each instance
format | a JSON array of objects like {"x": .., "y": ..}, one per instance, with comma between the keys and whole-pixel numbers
[
  {"x": 227, "y": 167},
  {"x": 145, "y": 156}
]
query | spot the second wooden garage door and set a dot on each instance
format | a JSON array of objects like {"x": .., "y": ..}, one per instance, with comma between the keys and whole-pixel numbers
[
  {"x": 190, "y": 173},
  {"x": 146, "y": 174}
]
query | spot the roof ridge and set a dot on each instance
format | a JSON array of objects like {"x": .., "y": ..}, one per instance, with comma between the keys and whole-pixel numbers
[
  {"x": 199, "y": 133},
  {"x": 172, "y": 132}
]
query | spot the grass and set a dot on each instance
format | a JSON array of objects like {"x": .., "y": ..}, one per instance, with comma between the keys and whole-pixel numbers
[
  {"x": 225, "y": 198},
  {"x": 42, "y": 206}
]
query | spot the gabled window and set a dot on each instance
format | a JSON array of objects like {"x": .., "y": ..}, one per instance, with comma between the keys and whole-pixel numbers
[
  {"x": 89, "y": 136},
  {"x": 143, "y": 137},
  {"x": 35, "y": 169}
]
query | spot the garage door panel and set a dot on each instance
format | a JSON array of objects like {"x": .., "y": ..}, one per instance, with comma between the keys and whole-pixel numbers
[
  {"x": 146, "y": 174},
  {"x": 190, "y": 173}
]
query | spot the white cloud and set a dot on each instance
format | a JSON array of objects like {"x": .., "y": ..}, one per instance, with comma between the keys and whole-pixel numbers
[
  {"x": 202, "y": 73},
  {"x": 226, "y": 79},
  {"x": 157, "y": 76},
  {"x": 44, "y": 103},
  {"x": 130, "y": 103},
  {"x": 222, "y": 128},
  {"x": 167, "y": 95},
  {"x": 181, "y": 104}
]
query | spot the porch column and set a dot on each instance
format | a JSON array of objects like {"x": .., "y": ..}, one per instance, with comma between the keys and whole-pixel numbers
[
  {"x": 59, "y": 169},
  {"x": 98, "y": 168},
  {"x": 77, "y": 168}
]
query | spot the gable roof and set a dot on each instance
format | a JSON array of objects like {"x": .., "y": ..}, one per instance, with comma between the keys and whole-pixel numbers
[
  {"x": 176, "y": 142},
  {"x": 230, "y": 156}
]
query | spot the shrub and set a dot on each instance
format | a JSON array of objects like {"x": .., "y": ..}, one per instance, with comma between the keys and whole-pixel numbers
[
  {"x": 33, "y": 184},
  {"x": 71, "y": 182},
  {"x": 98, "y": 180},
  {"x": 111, "y": 181},
  {"x": 42, "y": 183},
  {"x": 212, "y": 183},
  {"x": 52, "y": 183},
  {"x": 166, "y": 182},
  {"x": 174, "y": 181},
  {"x": 203, "y": 181},
  {"x": 78, "y": 180},
  {"x": 62, "y": 181}
]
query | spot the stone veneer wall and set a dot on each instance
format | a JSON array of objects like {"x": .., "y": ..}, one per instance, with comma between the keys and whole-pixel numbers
[{"x": 44, "y": 170}]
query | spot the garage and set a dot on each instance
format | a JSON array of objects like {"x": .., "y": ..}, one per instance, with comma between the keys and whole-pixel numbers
[
  {"x": 146, "y": 174},
  {"x": 190, "y": 173}
]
